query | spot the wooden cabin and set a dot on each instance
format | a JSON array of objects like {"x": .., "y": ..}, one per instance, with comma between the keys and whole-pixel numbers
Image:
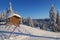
[{"x": 14, "y": 19}]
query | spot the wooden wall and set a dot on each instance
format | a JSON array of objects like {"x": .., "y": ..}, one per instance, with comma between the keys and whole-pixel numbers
[{"x": 14, "y": 20}]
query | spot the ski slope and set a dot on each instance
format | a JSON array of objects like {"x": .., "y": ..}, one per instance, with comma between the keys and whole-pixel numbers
[{"x": 24, "y": 32}]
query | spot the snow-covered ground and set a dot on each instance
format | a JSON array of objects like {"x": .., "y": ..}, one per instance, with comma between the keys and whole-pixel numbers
[{"x": 24, "y": 32}]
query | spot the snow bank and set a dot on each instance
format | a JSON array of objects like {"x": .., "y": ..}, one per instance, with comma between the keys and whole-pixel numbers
[{"x": 28, "y": 33}]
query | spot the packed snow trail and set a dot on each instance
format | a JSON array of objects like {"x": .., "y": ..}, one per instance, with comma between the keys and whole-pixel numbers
[{"x": 28, "y": 33}]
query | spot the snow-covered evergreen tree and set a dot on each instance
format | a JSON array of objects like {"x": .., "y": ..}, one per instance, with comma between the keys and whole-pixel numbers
[
  {"x": 30, "y": 22},
  {"x": 57, "y": 18},
  {"x": 52, "y": 18}
]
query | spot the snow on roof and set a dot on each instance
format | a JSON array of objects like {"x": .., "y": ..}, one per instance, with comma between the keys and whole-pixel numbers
[{"x": 14, "y": 15}]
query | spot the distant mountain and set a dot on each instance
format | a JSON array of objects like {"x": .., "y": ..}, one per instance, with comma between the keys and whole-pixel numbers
[
  {"x": 41, "y": 20},
  {"x": 36, "y": 21}
]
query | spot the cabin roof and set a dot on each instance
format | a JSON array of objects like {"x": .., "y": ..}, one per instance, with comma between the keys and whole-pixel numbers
[{"x": 14, "y": 15}]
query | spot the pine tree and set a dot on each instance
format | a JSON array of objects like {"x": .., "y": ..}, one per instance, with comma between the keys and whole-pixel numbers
[
  {"x": 57, "y": 18},
  {"x": 30, "y": 22},
  {"x": 52, "y": 18},
  {"x": 58, "y": 21}
]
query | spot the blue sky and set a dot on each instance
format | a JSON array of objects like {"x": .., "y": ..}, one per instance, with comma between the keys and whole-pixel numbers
[{"x": 34, "y": 8}]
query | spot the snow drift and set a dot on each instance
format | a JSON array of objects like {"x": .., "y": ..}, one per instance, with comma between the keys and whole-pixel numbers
[{"x": 24, "y": 32}]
